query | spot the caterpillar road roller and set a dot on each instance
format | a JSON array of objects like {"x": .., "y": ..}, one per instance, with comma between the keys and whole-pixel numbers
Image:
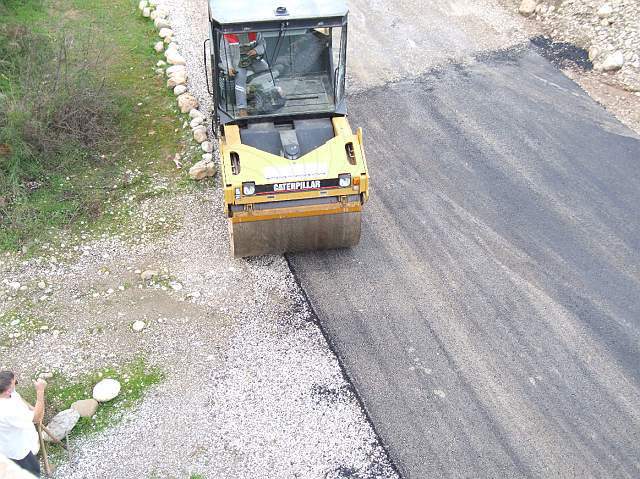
[{"x": 293, "y": 171}]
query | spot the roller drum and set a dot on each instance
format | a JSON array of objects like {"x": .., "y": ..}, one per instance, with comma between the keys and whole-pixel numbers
[{"x": 285, "y": 235}]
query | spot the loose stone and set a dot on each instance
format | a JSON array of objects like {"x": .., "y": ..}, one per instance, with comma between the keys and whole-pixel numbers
[{"x": 106, "y": 390}]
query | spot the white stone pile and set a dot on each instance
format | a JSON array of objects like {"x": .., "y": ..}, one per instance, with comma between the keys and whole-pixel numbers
[
  {"x": 62, "y": 423},
  {"x": 177, "y": 79}
]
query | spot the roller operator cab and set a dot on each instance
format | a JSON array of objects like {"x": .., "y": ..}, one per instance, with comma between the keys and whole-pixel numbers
[{"x": 294, "y": 173}]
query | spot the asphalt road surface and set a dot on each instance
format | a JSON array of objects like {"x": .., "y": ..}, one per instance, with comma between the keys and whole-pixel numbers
[{"x": 490, "y": 317}]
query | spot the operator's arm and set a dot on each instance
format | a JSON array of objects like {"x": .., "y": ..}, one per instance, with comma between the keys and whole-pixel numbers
[
  {"x": 38, "y": 410},
  {"x": 261, "y": 45}
]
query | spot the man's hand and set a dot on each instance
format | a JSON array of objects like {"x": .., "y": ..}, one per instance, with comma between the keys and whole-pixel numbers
[
  {"x": 232, "y": 72},
  {"x": 40, "y": 385},
  {"x": 252, "y": 53}
]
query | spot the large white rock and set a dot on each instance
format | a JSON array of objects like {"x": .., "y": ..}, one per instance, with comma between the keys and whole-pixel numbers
[
  {"x": 106, "y": 390},
  {"x": 62, "y": 423},
  {"x": 196, "y": 113},
  {"x": 200, "y": 134},
  {"x": 165, "y": 32},
  {"x": 174, "y": 57},
  {"x": 527, "y": 7},
  {"x": 187, "y": 102},
  {"x": 178, "y": 78},
  {"x": 202, "y": 169},
  {"x": 179, "y": 90},
  {"x": 197, "y": 121},
  {"x": 85, "y": 407},
  {"x": 175, "y": 68},
  {"x": 613, "y": 61},
  {"x": 146, "y": 12},
  {"x": 206, "y": 146},
  {"x": 159, "y": 47},
  {"x": 143, "y": 4},
  {"x": 605, "y": 10},
  {"x": 161, "y": 23}
]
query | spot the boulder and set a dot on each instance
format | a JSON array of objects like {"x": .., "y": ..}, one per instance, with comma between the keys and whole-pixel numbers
[
  {"x": 165, "y": 32},
  {"x": 143, "y": 4},
  {"x": 202, "y": 169},
  {"x": 61, "y": 424},
  {"x": 159, "y": 47},
  {"x": 161, "y": 23},
  {"x": 200, "y": 134},
  {"x": 197, "y": 121},
  {"x": 175, "y": 69},
  {"x": 174, "y": 57},
  {"x": 106, "y": 390},
  {"x": 594, "y": 52},
  {"x": 146, "y": 12},
  {"x": 187, "y": 102},
  {"x": 206, "y": 146},
  {"x": 527, "y": 7},
  {"x": 613, "y": 61},
  {"x": 85, "y": 407},
  {"x": 179, "y": 90},
  {"x": 196, "y": 113},
  {"x": 178, "y": 78}
]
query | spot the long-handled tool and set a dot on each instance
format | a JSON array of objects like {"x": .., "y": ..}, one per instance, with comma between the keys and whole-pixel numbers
[{"x": 43, "y": 450}]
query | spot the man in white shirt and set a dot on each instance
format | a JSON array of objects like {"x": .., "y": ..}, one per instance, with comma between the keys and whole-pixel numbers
[{"x": 18, "y": 435}]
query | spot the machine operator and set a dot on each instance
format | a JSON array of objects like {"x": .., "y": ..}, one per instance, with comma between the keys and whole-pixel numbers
[{"x": 239, "y": 54}]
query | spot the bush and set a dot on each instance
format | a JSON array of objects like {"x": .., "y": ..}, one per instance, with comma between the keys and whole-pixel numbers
[{"x": 56, "y": 114}]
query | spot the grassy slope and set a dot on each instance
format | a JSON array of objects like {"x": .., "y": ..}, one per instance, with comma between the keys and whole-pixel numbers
[{"x": 90, "y": 190}]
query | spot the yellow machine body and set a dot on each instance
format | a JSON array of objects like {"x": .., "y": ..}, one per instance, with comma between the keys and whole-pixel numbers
[{"x": 297, "y": 204}]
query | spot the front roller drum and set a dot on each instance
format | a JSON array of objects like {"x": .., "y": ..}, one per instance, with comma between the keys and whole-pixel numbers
[{"x": 286, "y": 235}]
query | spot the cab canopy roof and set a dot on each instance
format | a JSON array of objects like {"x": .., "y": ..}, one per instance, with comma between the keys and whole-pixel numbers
[{"x": 238, "y": 12}]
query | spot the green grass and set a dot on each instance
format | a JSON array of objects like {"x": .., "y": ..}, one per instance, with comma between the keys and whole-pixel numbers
[
  {"x": 46, "y": 195},
  {"x": 135, "y": 378}
]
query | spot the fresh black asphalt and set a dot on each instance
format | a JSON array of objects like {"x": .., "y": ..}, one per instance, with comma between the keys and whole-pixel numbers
[{"x": 490, "y": 317}]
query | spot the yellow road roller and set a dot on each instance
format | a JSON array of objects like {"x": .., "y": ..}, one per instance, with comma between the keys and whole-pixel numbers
[{"x": 293, "y": 171}]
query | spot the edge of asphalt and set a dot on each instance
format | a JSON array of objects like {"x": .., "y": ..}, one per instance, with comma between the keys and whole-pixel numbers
[{"x": 343, "y": 369}]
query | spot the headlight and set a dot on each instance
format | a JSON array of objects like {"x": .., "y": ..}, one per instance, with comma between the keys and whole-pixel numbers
[
  {"x": 248, "y": 188},
  {"x": 344, "y": 180}
]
